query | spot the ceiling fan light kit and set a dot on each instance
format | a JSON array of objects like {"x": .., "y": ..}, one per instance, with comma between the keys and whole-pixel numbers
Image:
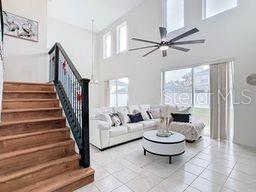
[{"x": 164, "y": 45}]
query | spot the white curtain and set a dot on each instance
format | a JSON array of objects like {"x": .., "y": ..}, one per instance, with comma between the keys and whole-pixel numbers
[
  {"x": 107, "y": 94},
  {"x": 221, "y": 78}
]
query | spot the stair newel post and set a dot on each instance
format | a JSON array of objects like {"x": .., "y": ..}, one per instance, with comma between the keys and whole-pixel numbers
[
  {"x": 85, "y": 151},
  {"x": 57, "y": 56}
]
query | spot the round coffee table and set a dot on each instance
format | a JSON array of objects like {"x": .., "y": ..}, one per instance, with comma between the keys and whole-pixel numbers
[{"x": 163, "y": 146}]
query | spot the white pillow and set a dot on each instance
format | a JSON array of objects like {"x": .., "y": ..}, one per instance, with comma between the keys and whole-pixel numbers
[
  {"x": 184, "y": 110},
  {"x": 156, "y": 113},
  {"x": 132, "y": 108},
  {"x": 123, "y": 117},
  {"x": 104, "y": 117}
]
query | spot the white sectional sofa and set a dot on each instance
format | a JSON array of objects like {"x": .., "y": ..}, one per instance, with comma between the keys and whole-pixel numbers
[{"x": 103, "y": 135}]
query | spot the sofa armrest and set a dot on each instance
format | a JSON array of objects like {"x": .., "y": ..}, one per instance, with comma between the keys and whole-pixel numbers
[{"x": 99, "y": 124}]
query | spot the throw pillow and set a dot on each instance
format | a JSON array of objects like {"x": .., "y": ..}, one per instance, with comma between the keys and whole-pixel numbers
[
  {"x": 156, "y": 113},
  {"x": 150, "y": 115},
  {"x": 183, "y": 118},
  {"x": 104, "y": 117},
  {"x": 115, "y": 119},
  {"x": 135, "y": 118},
  {"x": 184, "y": 110},
  {"x": 143, "y": 113},
  {"x": 123, "y": 117}
]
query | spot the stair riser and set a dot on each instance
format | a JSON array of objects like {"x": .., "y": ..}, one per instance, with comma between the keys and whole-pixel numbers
[
  {"x": 77, "y": 185},
  {"x": 31, "y": 115},
  {"x": 33, "y": 141},
  {"x": 15, "y": 163},
  {"x": 29, "y": 95},
  {"x": 25, "y": 87},
  {"x": 31, "y": 127},
  {"x": 30, "y": 104},
  {"x": 45, "y": 173}
]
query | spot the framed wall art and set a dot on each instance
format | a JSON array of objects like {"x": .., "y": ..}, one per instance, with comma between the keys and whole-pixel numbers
[{"x": 20, "y": 27}]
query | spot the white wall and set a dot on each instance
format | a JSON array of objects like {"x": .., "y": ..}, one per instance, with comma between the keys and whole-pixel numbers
[
  {"x": 229, "y": 35},
  {"x": 77, "y": 42},
  {"x": 25, "y": 60}
]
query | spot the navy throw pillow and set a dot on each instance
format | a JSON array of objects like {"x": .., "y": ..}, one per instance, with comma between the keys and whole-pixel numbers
[
  {"x": 183, "y": 118},
  {"x": 135, "y": 118}
]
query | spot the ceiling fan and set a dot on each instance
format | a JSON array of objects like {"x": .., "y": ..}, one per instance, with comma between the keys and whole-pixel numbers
[{"x": 164, "y": 45}]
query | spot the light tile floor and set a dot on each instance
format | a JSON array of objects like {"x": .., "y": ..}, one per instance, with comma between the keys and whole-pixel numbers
[{"x": 207, "y": 165}]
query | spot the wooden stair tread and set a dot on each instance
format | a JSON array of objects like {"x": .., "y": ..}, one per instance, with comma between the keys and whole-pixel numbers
[
  {"x": 27, "y": 83},
  {"x": 4, "y": 138},
  {"x": 39, "y": 92},
  {"x": 29, "y": 110},
  {"x": 28, "y": 100},
  {"x": 39, "y": 167},
  {"x": 38, "y": 154},
  {"x": 31, "y": 121},
  {"x": 59, "y": 181},
  {"x": 35, "y": 149}
]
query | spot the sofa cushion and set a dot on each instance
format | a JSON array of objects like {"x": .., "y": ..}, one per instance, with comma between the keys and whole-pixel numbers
[
  {"x": 134, "y": 127},
  {"x": 149, "y": 124},
  {"x": 144, "y": 107},
  {"x": 116, "y": 121},
  {"x": 155, "y": 112},
  {"x": 121, "y": 109},
  {"x": 104, "y": 117},
  {"x": 118, "y": 131},
  {"x": 133, "y": 108},
  {"x": 123, "y": 117},
  {"x": 107, "y": 110},
  {"x": 143, "y": 112}
]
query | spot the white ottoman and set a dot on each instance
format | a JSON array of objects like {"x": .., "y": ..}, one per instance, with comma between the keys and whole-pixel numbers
[{"x": 163, "y": 146}]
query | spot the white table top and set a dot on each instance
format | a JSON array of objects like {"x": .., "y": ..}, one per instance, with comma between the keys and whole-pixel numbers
[{"x": 175, "y": 138}]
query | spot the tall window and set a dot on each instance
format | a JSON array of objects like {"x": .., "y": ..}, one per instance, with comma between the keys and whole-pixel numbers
[
  {"x": 122, "y": 38},
  {"x": 174, "y": 14},
  {"x": 118, "y": 92},
  {"x": 107, "y": 45},
  {"x": 189, "y": 87},
  {"x": 214, "y": 7}
]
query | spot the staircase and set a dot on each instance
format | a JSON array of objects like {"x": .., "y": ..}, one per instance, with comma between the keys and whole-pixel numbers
[{"x": 36, "y": 151}]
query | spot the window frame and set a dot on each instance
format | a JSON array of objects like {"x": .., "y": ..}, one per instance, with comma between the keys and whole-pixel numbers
[
  {"x": 204, "y": 10},
  {"x": 116, "y": 95},
  {"x": 165, "y": 19},
  {"x": 163, "y": 75},
  {"x": 109, "y": 33},
  {"x": 118, "y": 41}
]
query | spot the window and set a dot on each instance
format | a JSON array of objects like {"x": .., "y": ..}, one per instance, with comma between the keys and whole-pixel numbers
[
  {"x": 173, "y": 14},
  {"x": 214, "y": 7},
  {"x": 107, "y": 45},
  {"x": 122, "y": 38},
  {"x": 118, "y": 92},
  {"x": 189, "y": 87}
]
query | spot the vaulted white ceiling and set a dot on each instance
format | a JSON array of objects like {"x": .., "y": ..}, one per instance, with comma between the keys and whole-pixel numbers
[{"x": 80, "y": 12}]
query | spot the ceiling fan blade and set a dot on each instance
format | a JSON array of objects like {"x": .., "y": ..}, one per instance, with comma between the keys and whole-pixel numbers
[
  {"x": 146, "y": 41},
  {"x": 139, "y": 48},
  {"x": 163, "y": 33},
  {"x": 150, "y": 52},
  {"x": 189, "y": 42},
  {"x": 195, "y": 30},
  {"x": 164, "y": 53},
  {"x": 180, "y": 48}
]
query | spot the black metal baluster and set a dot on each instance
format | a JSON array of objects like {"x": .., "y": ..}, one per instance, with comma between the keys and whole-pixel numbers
[{"x": 74, "y": 96}]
